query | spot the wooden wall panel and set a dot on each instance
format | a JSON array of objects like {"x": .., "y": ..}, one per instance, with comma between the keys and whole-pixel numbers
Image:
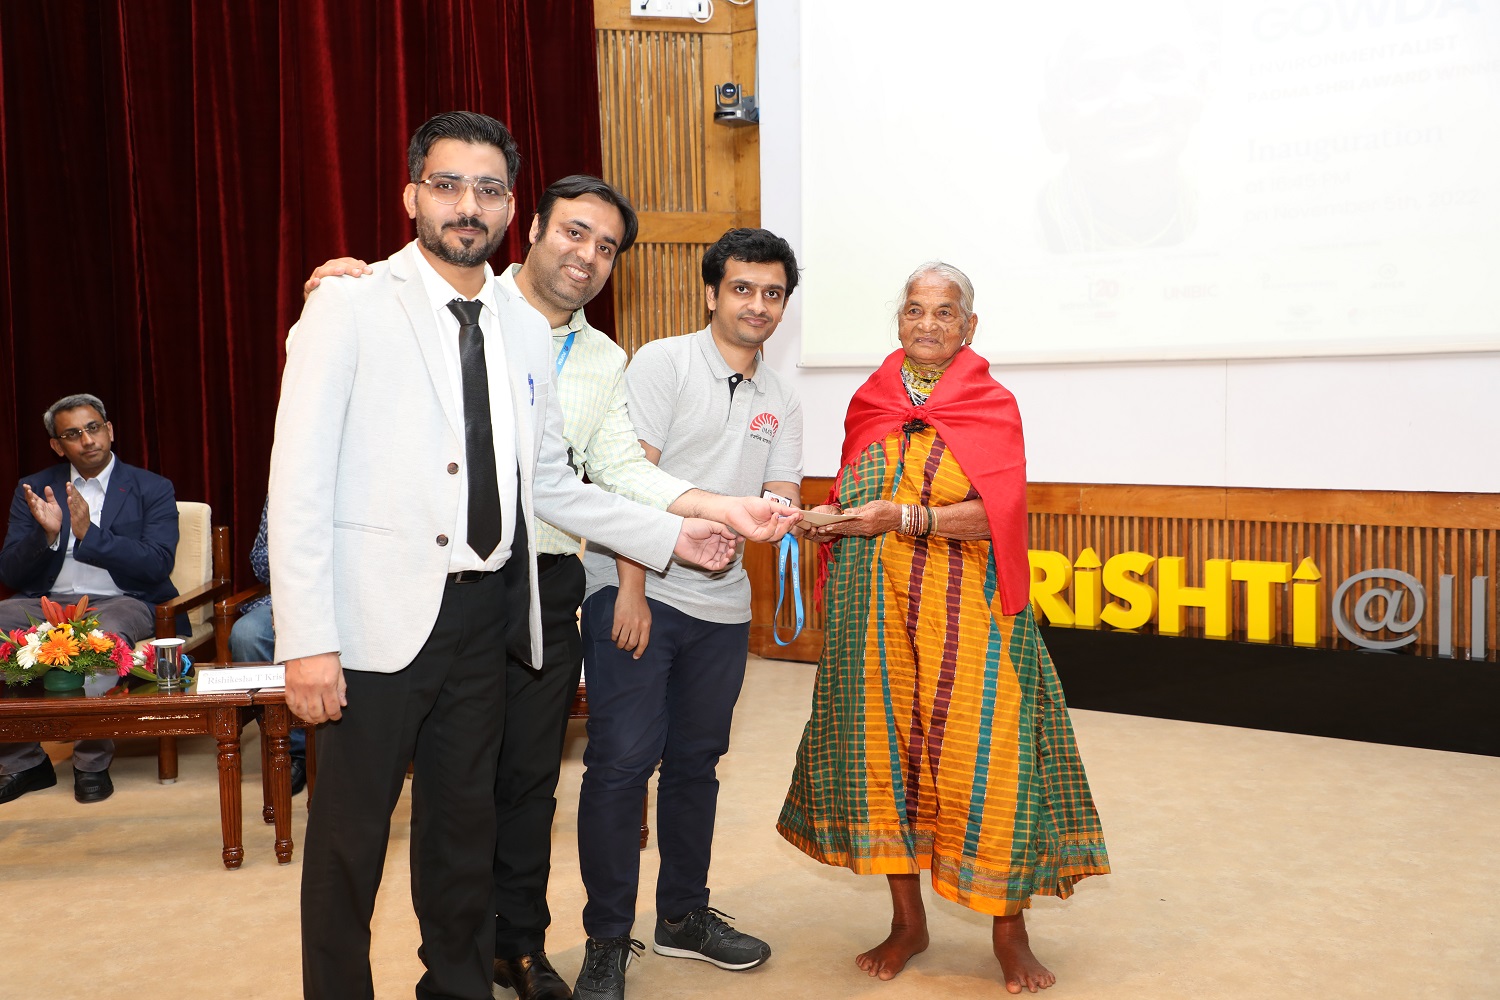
[
  {"x": 689, "y": 178},
  {"x": 663, "y": 281},
  {"x": 760, "y": 564},
  {"x": 1339, "y": 551},
  {"x": 652, "y": 108},
  {"x": 1434, "y": 534}
]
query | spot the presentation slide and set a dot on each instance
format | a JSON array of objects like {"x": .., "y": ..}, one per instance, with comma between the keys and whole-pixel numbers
[{"x": 1158, "y": 179}]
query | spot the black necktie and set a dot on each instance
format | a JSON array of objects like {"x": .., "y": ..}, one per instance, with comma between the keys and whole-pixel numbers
[{"x": 479, "y": 439}]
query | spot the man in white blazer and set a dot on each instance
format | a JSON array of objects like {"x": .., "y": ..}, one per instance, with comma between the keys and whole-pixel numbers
[{"x": 397, "y": 592}]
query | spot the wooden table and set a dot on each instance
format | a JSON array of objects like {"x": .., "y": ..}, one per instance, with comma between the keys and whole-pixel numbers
[
  {"x": 134, "y": 709},
  {"x": 276, "y": 723}
]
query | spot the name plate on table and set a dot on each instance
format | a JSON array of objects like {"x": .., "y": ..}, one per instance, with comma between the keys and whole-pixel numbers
[{"x": 224, "y": 679}]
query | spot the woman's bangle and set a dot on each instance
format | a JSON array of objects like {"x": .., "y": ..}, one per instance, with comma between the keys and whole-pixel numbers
[{"x": 918, "y": 520}]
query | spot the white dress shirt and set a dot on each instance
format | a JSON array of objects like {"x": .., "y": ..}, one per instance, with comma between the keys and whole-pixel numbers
[
  {"x": 77, "y": 577},
  {"x": 439, "y": 294}
]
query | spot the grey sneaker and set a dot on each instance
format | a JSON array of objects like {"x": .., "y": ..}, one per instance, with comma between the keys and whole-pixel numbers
[
  {"x": 604, "y": 963},
  {"x": 704, "y": 935}
]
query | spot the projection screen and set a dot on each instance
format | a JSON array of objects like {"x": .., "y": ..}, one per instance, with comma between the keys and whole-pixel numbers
[{"x": 1156, "y": 179}]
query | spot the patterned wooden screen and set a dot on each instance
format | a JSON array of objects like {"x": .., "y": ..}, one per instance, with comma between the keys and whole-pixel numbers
[{"x": 689, "y": 178}]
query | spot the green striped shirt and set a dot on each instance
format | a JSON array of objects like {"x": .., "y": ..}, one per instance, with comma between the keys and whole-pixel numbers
[{"x": 596, "y": 423}]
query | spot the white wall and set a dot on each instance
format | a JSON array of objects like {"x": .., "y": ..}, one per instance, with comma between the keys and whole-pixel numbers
[{"x": 1396, "y": 423}]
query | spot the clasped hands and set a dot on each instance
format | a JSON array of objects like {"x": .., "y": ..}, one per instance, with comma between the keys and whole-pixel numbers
[
  {"x": 867, "y": 520},
  {"x": 48, "y": 512}
]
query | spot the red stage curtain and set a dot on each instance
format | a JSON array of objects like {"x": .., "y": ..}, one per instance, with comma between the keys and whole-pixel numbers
[{"x": 170, "y": 171}]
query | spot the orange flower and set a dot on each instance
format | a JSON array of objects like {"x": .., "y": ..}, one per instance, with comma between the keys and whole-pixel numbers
[
  {"x": 98, "y": 642},
  {"x": 56, "y": 614},
  {"x": 52, "y": 611},
  {"x": 58, "y": 650}
]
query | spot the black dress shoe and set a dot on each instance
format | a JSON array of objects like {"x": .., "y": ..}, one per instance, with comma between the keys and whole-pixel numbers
[
  {"x": 92, "y": 786},
  {"x": 299, "y": 773},
  {"x": 13, "y": 786},
  {"x": 532, "y": 977}
]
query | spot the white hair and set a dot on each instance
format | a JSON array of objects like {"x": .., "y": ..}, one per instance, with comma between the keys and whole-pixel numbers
[{"x": 948, "y": 272}]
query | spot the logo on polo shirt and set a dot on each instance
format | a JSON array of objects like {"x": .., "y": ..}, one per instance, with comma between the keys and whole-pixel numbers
[{"x": 763, "y": 427}]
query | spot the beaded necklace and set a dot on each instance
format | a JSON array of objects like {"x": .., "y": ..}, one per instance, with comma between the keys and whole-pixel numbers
[{"x": 919, "y": 381}]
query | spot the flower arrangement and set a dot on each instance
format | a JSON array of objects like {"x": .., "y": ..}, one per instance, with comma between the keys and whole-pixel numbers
[{"x": 69, "y": 640}]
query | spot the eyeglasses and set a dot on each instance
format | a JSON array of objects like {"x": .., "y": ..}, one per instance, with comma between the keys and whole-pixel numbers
[
  {"x": 448, "y": 189},
  {"x": 92, "y": 429}
]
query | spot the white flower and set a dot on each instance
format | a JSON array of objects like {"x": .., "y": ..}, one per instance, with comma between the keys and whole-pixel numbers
[{"x": 26, "y": 655}]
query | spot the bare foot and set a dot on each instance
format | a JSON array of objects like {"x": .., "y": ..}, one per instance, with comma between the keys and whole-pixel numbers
[
  {"x": 889, "y": 957},
  {"x": 1013, "y": 949}
]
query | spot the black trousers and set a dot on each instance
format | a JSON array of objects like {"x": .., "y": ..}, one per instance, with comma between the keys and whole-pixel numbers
[
  {"x": 444, "y": 713},
  {"x": 536, "y": 725}
]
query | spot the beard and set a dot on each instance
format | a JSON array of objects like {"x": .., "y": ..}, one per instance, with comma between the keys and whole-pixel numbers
[
  {"x": 570, "y": 294},
  {"x": 470, "y": 253}
]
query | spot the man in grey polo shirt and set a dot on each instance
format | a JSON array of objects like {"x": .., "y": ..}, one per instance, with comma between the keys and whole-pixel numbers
[{"x": 665, "y": 651}]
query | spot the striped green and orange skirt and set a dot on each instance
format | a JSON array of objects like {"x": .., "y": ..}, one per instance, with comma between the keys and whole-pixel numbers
[{"x": 939, "y": 738}]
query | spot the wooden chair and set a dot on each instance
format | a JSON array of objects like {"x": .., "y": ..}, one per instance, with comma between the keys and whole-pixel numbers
[
  {"x": 201, "y": 576},
  {"x": 227, "y": 612}
]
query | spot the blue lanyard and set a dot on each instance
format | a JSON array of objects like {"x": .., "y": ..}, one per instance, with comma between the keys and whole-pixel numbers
[
  {"x": 788, "y": 553},
  {"x": 562, "y": 355}
]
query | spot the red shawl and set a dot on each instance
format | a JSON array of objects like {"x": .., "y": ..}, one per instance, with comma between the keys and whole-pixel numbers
[{"x": 978, "y": 420}]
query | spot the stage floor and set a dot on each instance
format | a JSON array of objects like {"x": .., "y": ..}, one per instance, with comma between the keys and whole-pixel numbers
[{"x": 1246, "y": 864}]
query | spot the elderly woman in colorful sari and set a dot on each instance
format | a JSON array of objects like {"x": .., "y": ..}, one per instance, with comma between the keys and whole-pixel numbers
[{"x": 939, "y": 737}]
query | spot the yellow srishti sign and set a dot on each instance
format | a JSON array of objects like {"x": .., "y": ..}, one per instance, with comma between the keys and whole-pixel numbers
[
  {"x": 1383, "y": 615},
  {"x": 1137, "y": 603}
]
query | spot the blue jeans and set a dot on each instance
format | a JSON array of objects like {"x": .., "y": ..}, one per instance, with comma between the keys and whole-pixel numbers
[
  {"x": 253, "y": 640},
  {"x": 673, "y": 705}
]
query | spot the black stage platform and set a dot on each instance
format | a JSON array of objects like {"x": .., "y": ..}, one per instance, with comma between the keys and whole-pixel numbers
[{"x": 1400, "y": 698}]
